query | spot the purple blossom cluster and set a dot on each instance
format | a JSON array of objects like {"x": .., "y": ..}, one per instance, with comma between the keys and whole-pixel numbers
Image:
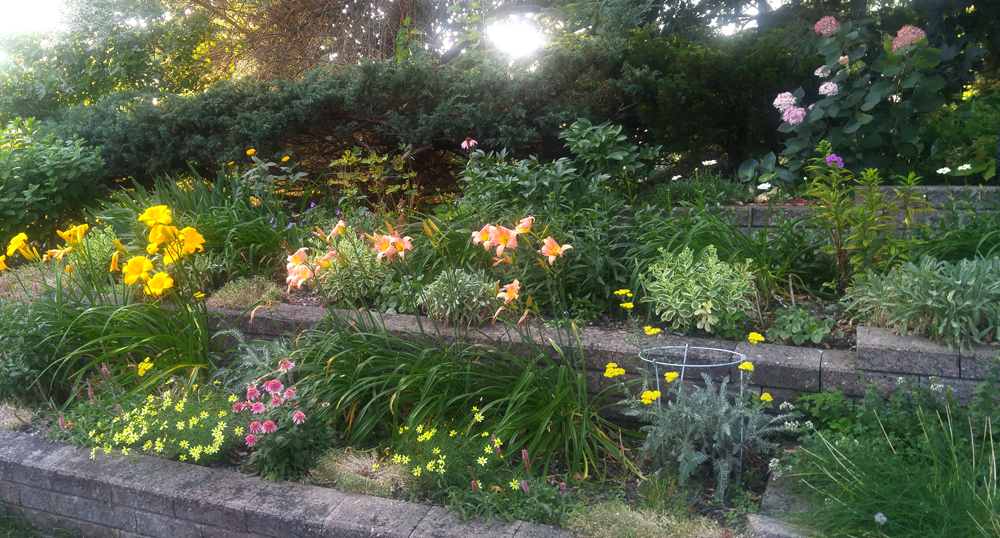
[
  {"x": 784, "y": 101},
  {"x": 828, "y": 89},
  {"x": 907, "y": 36}
]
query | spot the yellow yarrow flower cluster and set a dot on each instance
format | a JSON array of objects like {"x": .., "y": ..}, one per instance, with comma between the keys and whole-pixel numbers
[
  {"x": 144, "y": 367},
  {"x": 671, "y": 376},
  {"x": 623, "y": 293},
  {"x": 651, "y": 331},
  {"x": 766, "y": 397},
  {"x": 649, "y": 396},
  {"x": 746, "y": 366},
  {"x": 612, "y": 370},
  {"x": 755, "y": 338}
]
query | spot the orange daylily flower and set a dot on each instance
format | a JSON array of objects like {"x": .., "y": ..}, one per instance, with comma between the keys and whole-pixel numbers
[
  {"x": 510, "y": 292},
  {"x": 501, "y": 238},
  {"x": 524, "y": 226},
  {"x": 57, "y": 254},
  {"x": 552, "y": 249},
  {"x": 383, "y": 244},
  {"x": 114, "y": 262}
]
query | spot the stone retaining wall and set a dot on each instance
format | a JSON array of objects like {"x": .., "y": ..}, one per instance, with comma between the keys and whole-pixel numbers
[
  {"x": 783, "y": 371},
  {"x": 54, "y": 486}
]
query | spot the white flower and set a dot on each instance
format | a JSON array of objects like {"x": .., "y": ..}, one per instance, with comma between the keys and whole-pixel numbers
[
  {"x": 708, "y": 163},
  {"x": 822, "y": 72},
  {"x": 829, "y": 89},
  {"x": 675, "y": 178},
  {"x": 937, "y": 387},
  {"x": 786, "y": 406},
  {"x": 808, "y": 425},
  {"x": 764, "y": 186},
  {"x": 792, "y": 425},
  {"x": 965, "y": 167},
  {"x": 944, "y": 170},
  {"x": 880, "y": 518}
]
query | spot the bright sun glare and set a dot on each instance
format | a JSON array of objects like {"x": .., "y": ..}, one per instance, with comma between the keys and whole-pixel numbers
[
  {"x": 28, "y": 16},
  {"x": 515, "y": 37}
]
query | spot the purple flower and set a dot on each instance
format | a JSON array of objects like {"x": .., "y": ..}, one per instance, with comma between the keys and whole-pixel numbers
[
  {"x": 794, "y": 115},
  {"x": 827, "y": 26},
  {"x": 784, "y": 101},
  {"x": 828, "y": 89},
  {"x": 524, "y": 486},
  {"x": 832, "y": 159},
  {"x": 562, "y": 488},
  {"x": 907, "y": 36}
]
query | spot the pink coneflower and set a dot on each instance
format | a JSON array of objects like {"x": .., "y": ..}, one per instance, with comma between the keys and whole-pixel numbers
[
  {"x": 290, "y": 393},
  {"x": 276, "y": 401},
  {"x": 252, "y": 393},
  {"x": 258, "y": 408},
  {"x": 268, "y": 427},
  {"x": 469, "y": 143},
  {"x": 255, "y": 426},
  {"x": 251, "y": 440},
  {"x": 286, "y": 366},
  {"x": 237, "y": 407},
  {"x": 299, "y": 417},
  {"x": 274, "y": 386}
]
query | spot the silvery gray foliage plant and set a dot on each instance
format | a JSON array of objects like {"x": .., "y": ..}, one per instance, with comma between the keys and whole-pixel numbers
[
  {"x": 690, "y": 426},
  {"x": 954, "y": 303},
  {"x": 460, "y": 297}
]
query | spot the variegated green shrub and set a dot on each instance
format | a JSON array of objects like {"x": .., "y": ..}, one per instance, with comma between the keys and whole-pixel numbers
[{"x": 700, "y": 292}]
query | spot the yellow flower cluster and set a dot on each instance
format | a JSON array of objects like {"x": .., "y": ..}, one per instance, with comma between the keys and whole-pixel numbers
[
  {"x": 755, "y": 338},
  {"x": 746, "y": 366},
  {"x": 623, "y": 293},
  {"x": 144, "y": 367},
  {"x": 651, "y": 331},
  {"x": 627, "y": 306},
  {"x": 766, "y": 397},
  {"x": 671, "y": 376},
  {"x": 649, "y": 396},
  {"x": 426, "y": 436},
  {"x": 612, "y": 370}
]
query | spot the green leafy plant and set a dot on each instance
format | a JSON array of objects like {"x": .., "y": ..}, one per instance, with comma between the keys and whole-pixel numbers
[
  {"x": 951, "y": 303},
  {"x": 44, "y": 180},
  {"x": 874, "y": 106},
  {"x": 703, "y": 293},
  {"x": 703, "y": 187},
  {"x": 828, "y": 410},
  {"x": 460, "y": 297},
  {"x": 797, "y": 325},
  {"x": 604, "y": 150},
  {"x": 754, "y": 172}
]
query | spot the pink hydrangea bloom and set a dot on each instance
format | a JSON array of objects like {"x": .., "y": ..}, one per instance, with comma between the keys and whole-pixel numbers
[
  {"x": 286, "y": 366},
  {"x": 822, "y": 71},
  {"x": 827, "y": 26},
  {"x": 784, "y": 101},
  {"x": 794, "y": 115},
  {"x": 258, "y": 408},
  {"x": 268, "y": 427},
  {"x": 252, "y": 393},
  {"x": 274, "y": 386},
  {"x": 255, "y": 426},
  {"x": 299, "y": 417},
  {"x": 829, "y": 89},
  {"x": 251, "y": 440},
  {"x": 907, "y": 36}
]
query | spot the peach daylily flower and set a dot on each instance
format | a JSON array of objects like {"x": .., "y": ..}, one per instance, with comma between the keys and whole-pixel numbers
[
  {"x": 510, "y": 292},
  {"x": 524, "y": 226},
  {"x": 384, "y": 245},
  {"x": 297, "y": 275},
  {"x": 552, "y": 249},
  {"x": 325, "y": 260},
  {"x": 483, "y": 236},
  {"x": 340, "y": 228},
  {"x": 502, "y": 238},
  {"x": 401, "y": 245},
  {"x": 297, "y": 259}
]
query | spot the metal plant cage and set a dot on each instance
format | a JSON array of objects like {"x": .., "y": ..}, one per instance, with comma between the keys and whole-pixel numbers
[{"x": 649, "y": 356}]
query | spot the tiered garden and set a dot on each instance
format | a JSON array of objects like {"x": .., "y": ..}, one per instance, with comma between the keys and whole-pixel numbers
[{"x": 110, "y": 340}]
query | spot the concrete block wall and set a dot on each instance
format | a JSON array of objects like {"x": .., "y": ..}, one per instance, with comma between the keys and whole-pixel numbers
[{"x": 54, "y": 485}]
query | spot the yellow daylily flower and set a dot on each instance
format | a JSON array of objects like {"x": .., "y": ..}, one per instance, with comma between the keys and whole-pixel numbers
[
  {"x": 136, "y": 268},
  {"x": 3, "y": 266},
  {"x": 17, "y": 243},
  {"x": 114, "y": 262},
  {"x": 74, "y": 235},
  {"x": 158, "y": 284},
  {"x": 158, "y": 214},
  {"x": 192, "y": 240}
]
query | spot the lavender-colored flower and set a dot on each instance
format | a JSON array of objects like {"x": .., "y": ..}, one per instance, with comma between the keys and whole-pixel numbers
[
  {"x": 562, "y": 488},
  {"x": 822, "y": 71},
  {"x": 794, "y": 115},
  {"x": 907, "y": 36},
  {"x": 880, "y": 518},
  {"x": 524, "y": 486},
  {"x": 828, "y": 89},
  {"x": 784, "y": 101},
  {"x": 827, "y": 26},
  {"x": 832, "y": 159}
]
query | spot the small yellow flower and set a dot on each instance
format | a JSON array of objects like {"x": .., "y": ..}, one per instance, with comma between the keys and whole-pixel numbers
[
  {"x": 612, "y": 370},
  {"x": 671, "y": 376},
  {"x": 627, "y": 306},
  {"x": 485, "y": 434},
  {"x": 199, "y": 295},
  {"x": 478, "y": 417},
  {"x": 481, "y": 461},
  {"x": 755, "y": 338},
  {"x": 488, "y": 449},
  {"x": 514, "y": 484},
  {"x": 180, "y": 426},
  {"x": 436, "y": 450},
  {"x": 406, "y": 459},
  {"x": 251, "y": 152},
  {"x": 182, "y": 457},
  {"x": 238, "y": 431},
  {"x": 453, "y": 433},
  {"x": 285, "y": 159},
  {"x": 233, "y": 398},
  {"x": 649, "y": 396},
  {"x": 651, "y": 331},
  {"x": 766, "y": 397},
  {"x": 748, "y": 366},
  {"x": 374, "y": 466},
  {"x": 623, "y": 292},
  {"x": 475, "y": 409}
]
